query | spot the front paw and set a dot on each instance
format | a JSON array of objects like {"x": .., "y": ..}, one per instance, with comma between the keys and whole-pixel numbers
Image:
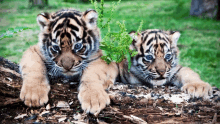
[
  {"x": 198, "y": 89},
  {"x": 34, "y": 94},
  {"x": 93, "y": 98}
]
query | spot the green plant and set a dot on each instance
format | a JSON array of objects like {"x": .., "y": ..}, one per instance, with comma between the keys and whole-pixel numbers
[
  {"x": 11, "y": 31},
  {"x": 115, "y": 45}
]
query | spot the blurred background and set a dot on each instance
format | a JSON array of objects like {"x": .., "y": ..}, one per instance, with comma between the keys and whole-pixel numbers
[{"x": 196, "y": 20}]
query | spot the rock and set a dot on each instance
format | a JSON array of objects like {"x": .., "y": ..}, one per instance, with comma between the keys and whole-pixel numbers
[
  {"x": 61, "y": 119},
  {"x": 21, "y": 116},
  {"x": 44, "y": 113},
  {"x": 62, "y": 104},
  {"x": 48, "y": 107}
]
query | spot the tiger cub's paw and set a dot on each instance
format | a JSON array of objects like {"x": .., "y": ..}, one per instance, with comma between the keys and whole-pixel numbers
[
  {"x": 200, "y": 89},
  {"x": 93, "y": 98},
  {"x": 34, "y": 94}
]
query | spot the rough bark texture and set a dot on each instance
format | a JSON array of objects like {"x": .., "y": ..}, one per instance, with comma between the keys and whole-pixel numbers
[
  {"x": 204, "y": 8},
  {"x": 130, "y": 104}
]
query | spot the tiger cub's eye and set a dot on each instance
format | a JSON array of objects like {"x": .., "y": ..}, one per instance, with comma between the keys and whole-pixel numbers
[
  {"x": 56, "y": 47},
  {"x": 168, "y": 56},
  {"x": 78, "y": 46},
  {"x": 149, "y": 57}
]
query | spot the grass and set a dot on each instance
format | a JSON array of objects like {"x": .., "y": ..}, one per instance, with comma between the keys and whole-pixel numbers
[{"x": 199, "y": 41}]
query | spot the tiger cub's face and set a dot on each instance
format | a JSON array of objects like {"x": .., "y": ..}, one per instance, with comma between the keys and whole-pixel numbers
[
  {"x": 68, "y": 39},
  {"x": 157, "y": 55}
]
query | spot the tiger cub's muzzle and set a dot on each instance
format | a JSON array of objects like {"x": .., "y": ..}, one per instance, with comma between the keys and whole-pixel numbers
[
  {"x": 160, "y": 67},
  {"x": 68, "y": 61}
]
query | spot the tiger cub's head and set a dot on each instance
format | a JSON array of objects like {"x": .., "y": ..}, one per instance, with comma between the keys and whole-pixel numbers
[
  {"x": 68, "y": 40},
  {"x": 157, "y": 54}
]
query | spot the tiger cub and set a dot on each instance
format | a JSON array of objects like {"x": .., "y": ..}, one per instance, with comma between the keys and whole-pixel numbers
[
  {"x": 157, "y": 63},
  {"x": 68, "y": 48}
]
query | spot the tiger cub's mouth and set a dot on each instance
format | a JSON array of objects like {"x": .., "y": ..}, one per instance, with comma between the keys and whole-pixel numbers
[
  {"x": 159, "y": 78},
  {"x": 70, "y": 73}
]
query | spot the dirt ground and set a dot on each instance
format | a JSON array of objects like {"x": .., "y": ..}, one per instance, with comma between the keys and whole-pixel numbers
[{"x": 129, "y": 104}]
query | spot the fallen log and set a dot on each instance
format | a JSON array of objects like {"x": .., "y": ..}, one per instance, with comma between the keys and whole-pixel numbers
[{"x": 129, "y": 104}]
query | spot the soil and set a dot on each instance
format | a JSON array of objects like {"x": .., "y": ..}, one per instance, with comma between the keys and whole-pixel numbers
[{"x": 129, "y": 104}]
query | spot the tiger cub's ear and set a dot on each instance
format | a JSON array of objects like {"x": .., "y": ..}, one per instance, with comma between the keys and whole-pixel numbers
[
  {"x": 136, "y": 40},
  {"x": 90, "y": 19},
  {"x": 43, "y": 20},
  {"x": 174, "y": 36}
]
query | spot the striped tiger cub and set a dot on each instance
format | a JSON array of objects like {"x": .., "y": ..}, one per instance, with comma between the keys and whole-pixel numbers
[
  {"x": 68, "y": 48},
  {"x": 157, "y": 64}
]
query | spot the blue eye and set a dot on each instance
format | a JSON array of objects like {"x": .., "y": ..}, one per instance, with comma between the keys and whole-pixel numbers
[
  {"x": 168, "y": 56},
  {"x": 56, "y": 47},
  {"x": 149, "y": 57},
  {"x": 78, "y": 46}
]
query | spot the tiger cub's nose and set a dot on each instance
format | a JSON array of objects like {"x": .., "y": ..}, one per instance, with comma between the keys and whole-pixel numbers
[
  {"x": 161, "y": 72},
  {"x": 67, "y": 63}
]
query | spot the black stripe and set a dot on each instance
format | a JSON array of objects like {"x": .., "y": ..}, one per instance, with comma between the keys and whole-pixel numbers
[
  {"x": 68, "y": 35},
  {"x": 167, "y": 39},
  {"x": 153, "y": 32},
  {"x": 41, "y": 23},
  {"x": 156, "y": 46},
  {"x": 46, "y": 15},
  {"x": 73, "y": 27},
  {"x": 133, "y": 43},
  {"x": 145, "y": 38},
  {"x": 142, "y": 50},
  {"x": 58, "y": 33},
  {"x": 53, "y": 51},
  {"x": 149, "y": 41},
  {"x": 77, "y": 38},
  {"x": 46, "y": 35},
  {"x": 50, "y": 35},
  {"x": 71, "y": 15},
  {"x": 77, "y": 14},
  {"x": 90, "y": 42},
  {"x": 84, "y": 41},
  {"x": 54, "y": 40},
  {"x": 84, "y": 34},
  {"x": 86, "y": 53},
  {"x": 45, "y": 40},
  {"x": 159, "y": 37},
  {"x": 167, "y": 46},
  {"x": 148, "y": 50},
  {"x": 62, "y": 35},
  {"x": 73, "y": 33},
  {"x": 164, "y": 40},
  {"x": 87, "y": 11},
  {"x": 58, "y": 27},
  {"x": 138, "y": 56},
  {"x": 95, "y": 44},
  {"x": 67, "y": 15}
]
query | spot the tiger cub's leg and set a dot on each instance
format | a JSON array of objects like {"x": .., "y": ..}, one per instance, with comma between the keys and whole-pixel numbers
[
  {"x": 96, "y": 78},
  {"x": 35, "y": 87},
  {"x": 192, "y": 83}
]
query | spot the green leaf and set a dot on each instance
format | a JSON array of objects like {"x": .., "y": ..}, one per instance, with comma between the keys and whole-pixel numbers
[
  {"x": 11, "y": 31},
  {"x": 128, "y": 56}
]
